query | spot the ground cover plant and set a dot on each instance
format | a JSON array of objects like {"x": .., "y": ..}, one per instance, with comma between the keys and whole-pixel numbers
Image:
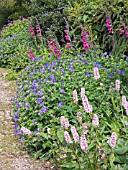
[{"x": 45, "y": 93}]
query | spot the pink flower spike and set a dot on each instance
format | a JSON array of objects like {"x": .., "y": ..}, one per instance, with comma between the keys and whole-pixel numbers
[
  {"x": 83, "y": 143},
  {"x": 67, "y": 137},
  {"x": 101, "y": 152},
  {"x": 64, "y": 122},
  {"x": 96, "y": 73},
  {"x": 75, "y": 96},
  {"x": 95, "y": 120},
  {"x": 117, "y": 85},
  {"x": 112, "y": 142},
  {"x": 75, "y": 134}
]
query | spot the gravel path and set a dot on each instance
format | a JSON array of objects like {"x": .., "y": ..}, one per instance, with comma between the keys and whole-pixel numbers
[{"x": 12, "y": 157}]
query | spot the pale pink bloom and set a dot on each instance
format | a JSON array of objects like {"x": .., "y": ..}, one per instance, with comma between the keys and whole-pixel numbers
[
  {"x": 82, "y": 92},
  {"x": 26, "y": 131},
  {"x": 96, "y": 73},
  {"x": 101, "y": 152},
  {"x": 84, "y": 125},
  {"x": 124, "y": 100},
  {"x": 117, "y": 85},
  {"x": 74, "y": 134},
  {"x": 113, "y": 140},
  {"x": 75, "y": 96},
  {"x": 87, "y": 106},
  {"x": 83, "y": 143},
  {"x": 64, "y": 122},
  {"x": 85, "y": 132},
  {"x": 67, "y": 137},
  {"x": 95, "y": 120}
]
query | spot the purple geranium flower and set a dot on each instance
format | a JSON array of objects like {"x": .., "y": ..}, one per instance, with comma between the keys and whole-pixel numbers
[
  {"x": 16, "y": 126},
  {"x": 39, "y": 100},
  {"x": 60, "y": 104},
  {"x": 126, "y": 58},
  {"x": 111, "y": 75},
  {"x": 43, "y": 110},
  {"x": 40, "y": 93},
  {"x": 120, "y": 72},
  {"x": 16, "y": 132},
  {"x": 104, "y": 54},
  {"x": 62, "y": 91},
  {"x": 17, "y": 105},
  {"x": 21, "y": 139}
]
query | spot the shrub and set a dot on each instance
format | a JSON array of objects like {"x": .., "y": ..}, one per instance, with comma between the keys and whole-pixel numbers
[{"x": 45, "y": 93}]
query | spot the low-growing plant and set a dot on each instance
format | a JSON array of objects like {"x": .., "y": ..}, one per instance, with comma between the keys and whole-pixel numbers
[{"x": 45, "y": 93}]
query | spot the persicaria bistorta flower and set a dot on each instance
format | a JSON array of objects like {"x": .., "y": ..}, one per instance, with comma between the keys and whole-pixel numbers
[
  {"x": 75, "y": 96},
  {"x": 113, "y": 140},
  {"x": 96, "y": 73},
  {"x": 82, "y": 92},
  {"x": 64, "y": 122},
  {"x": 26, "y": 131},
  {"x": 87, "y": 106},
  {"x": 101, "y": 152},
  {"x": 83, "y": 143},
  {"x": 74, "y": 134},
  {"x": 95, "y": 120},
  {"x": 79, "y": 117},
  {"x": 67, "y": 137},
  {"x": 117, "y": 85},
  {"x": 125, "y": 104}
]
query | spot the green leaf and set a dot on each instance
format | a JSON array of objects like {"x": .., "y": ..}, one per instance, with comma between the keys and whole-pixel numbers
[
  {"x": 44, "y": 135},
  {"x": 60, "y": 135}
]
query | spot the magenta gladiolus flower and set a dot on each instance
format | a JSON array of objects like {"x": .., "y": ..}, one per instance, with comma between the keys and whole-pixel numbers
[
  {"x": 95, "y": 120},
  {"x": 74, "y": 134},
  {"x": 117, "y": 85},
  {"x": 85, "y": 40},
  {"x": 83, "y": 143},
  {"x": 68, "y": 45},
  {"x": 113, "y": 140},
  {"x": 67, "y": 137}
]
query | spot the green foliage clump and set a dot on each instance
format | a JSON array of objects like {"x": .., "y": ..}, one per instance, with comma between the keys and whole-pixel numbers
[
  {"x": 92, "y": 14},
  {"x": 14, "y": 43},
  {"x": 45, "y": 92},
  {"x": 49, "y": 15},
  {"x": 10, "y": 10}
]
